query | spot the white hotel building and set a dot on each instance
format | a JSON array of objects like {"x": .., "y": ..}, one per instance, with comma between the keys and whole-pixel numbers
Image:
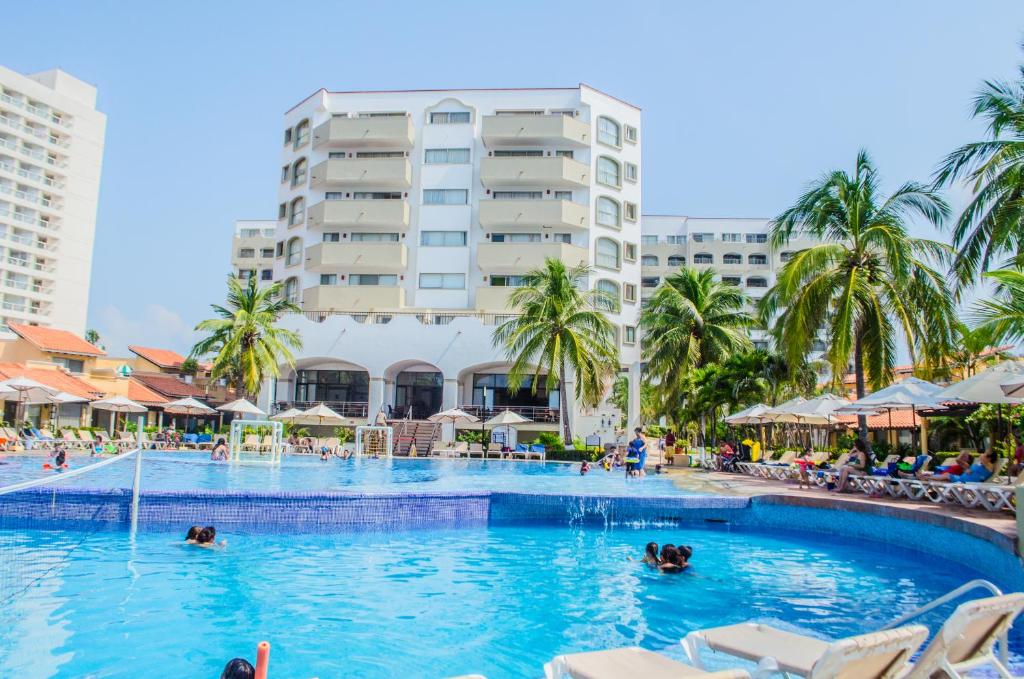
[
  {"x": 51, "y": 151},
  {"x": 406, "y": 218}
]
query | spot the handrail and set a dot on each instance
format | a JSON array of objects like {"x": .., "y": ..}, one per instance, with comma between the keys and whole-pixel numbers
[
  {"x": 32, "y": 483},
  {"x": 1004, "y": 641}
]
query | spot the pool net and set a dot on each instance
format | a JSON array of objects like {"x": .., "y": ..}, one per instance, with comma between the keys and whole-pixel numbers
[{"x": 42, "y": 524}]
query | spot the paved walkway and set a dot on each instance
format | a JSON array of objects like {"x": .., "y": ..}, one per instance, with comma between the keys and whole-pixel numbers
[{"x": 701, "y": 481}]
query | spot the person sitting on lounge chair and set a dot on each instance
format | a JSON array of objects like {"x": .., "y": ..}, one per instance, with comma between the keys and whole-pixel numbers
[
  {"x": 960, "y": 465},
  {"x": 979, "y": 472},
  {"x": 859, "y": 463}
]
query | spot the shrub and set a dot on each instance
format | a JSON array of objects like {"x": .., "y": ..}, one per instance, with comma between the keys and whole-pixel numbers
[{"x": 469, "y": 435}]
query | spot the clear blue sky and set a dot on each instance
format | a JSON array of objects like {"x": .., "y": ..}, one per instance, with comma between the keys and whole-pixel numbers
[{"x": 744, "y": 103}]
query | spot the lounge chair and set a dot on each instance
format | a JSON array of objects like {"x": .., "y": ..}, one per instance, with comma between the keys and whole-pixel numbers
[
  {"x": 877, "y": 655},
  {"x": 73, "y": 441},
  {"x": 537, "y": 450},
  {"x": 493, "y": 447},
  {"x": 627, "y": 663},
  {"x": 968, "y": 637},
  {"x": 204, "y": 442},
  {"x": 251, "y": 442},
  {"x": 476, "y": 449},
  {"x": 86, "y": 437},
  {"x": 439, "y": 449}
]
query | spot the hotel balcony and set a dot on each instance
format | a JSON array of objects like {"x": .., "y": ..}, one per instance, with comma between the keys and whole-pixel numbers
[
  {"x": 533, "y": 214},
  {"x": 384, "y": 132},
  {"x": 493, "y": 298},
  {"x": 352, "y": 297},
  {"x": 385, "y": 173},
  {"x": 523, "y": 257},
  {"x": 386, "y": 214},
  {"x": 359, "y": 257},
  {"x": 531, "y": 171},
  {"x": 532, "y": 130}
]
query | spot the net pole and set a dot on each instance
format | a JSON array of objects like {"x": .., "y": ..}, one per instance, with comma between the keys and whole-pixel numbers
[{"x": 138, "y": 475}]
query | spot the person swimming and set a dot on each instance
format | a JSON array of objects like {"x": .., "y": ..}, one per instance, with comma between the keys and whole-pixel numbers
[
  {"x": 207, "y": 538},
  {"x": 672, "y": 560},
  {"x": 193, "y": 534},
  {"x": 584, "y": 467},
  {"x": 238, "y": 668},
  {"x": 651, "y": 554},
  {"x": 685, "y": 552}
]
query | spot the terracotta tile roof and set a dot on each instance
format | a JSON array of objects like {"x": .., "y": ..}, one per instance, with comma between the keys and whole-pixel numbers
[
  {"x": 170, "y": 386},
  {"x": 140, "y": 393},
  {"x": 901, "y": 419},
  {"x": 51, "y": 339},
  {"x": 58, "y": 379},
  {"x": 165, "y": 358}
]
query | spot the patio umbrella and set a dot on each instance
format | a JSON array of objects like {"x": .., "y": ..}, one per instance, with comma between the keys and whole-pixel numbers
[
  {"x": 289, "y": 415},
  {"x": 242, "y": 407},
  {"x": 755, "y": 414},
  {"x": 118, "y": 404},
  {"x": 910, "y": 394},
  {"x": 781, "y": 413},
  {"x": 819, "y": 411},
  {"x": 987, "y": 386},
  {"x": 320, "y": 415},
  {"x": 188, "y": 406},
  {"x": 27, "y": 391},
  {"x": 59, "y": 399},
  {"x": 453, "y": 416},
  {"x": 506, "y": 418}
]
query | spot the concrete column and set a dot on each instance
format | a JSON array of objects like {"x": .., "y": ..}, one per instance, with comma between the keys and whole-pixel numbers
[
  {"x": 633, "y": 420},
  {"x": 450, "y": 393},
  {"x": 923, "y": 421},
  {"x": 376, "y": 398}
]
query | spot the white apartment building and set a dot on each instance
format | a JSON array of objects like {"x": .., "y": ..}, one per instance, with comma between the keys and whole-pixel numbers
[
  {"x": 51, "y": 151},
  {"x": 252, "y": 250},
  {"x": 406, "y": 218}
]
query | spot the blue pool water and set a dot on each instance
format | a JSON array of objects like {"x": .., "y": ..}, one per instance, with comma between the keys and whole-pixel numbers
[
  {"x": 185, "y": 471},
  {"x": 499, "y": 600}
]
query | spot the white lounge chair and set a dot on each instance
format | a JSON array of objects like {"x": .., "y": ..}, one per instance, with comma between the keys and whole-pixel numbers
[
  {"x": 968, "y": 638},
  {"x": 628, "y": 663},
  {"x": 877, "y": 655}
]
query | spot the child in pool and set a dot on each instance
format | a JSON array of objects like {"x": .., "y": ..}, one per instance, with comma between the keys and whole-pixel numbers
[
  {"x": 671, "y": 560},
  {"x": 207, "y": 538},
  {"x": 584, "y": 468},
  {"x": 651, "y": 554},
  {"x": 192, "y": 535}
]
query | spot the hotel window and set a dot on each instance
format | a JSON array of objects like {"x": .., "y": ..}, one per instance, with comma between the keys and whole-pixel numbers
[
  {"x": 732, "y": 258},
  {"x": 294, "y": 254},
  {"x": 443, "y": 239},
  {"x": 298, "y": 212},
  {"x": 563, "y": 195},
  {"x": 524, "y": 112},
  {"x": 375, "y": 195},
  {"x": 332, "y": 237},
  {"x": 675, "y": 240},
  {"x": 247, "y": 253},
  {"x": 282, "y": 211},
  {"x": 608, "y": 212},
  {"x": 676, "y": 260},
  {"x": 299, "y": 172},
  {"x": 446, "y": 156},
  {"x": 703, "y": 258},
  {"x": 649, "y": 260},
  {"x": 564, "y": 154},
  {"x": 267, "y": 274},
  {"x": 629, "y": 292},
  {"x": 630, "y": 211},
  {"x": 328, "y": 279},
  {"x": 648, "y": 240},
  {"x": 291, "y": 290},
  {"x": 731, "y": 280},
  {"x": 381, "y": 114},
  {"x": 609, "y": 297},
  {"x": 266, "y": 253},
  {"x": 337, "y": 155},
  {"x": 607, "y": 253},
  {"x": 631, "y": 134},
  {"x": 631, "y": 172},
  {"x": 389, "y": 280},
  {"x": 732, "y": 237},
  {"x": 629, "y": 252},
  {"x": 301, "y": 133},
  {"x": 443, "y": 281},
  {"x": 279, "y": 249},
  {"x": 757, "y": 283},
  {"x": 703, "y": 237},
  {"x": 250, "y": 233},
  {"x": 374, "y": 237},
  {"x": 288, "y": 136},
  {"x": 757, "y": 238},
  {"x": 608, "y": 132},
  {"x": 445, "y": 196},
  {"x": 518, "y": 154},
  {"x": 515, "y": 238},
  {"x": 785, "y": 256},
  {"x": 507, "y": 281},
  {"x": 630, "y": 334},
  {"x": 518, "y": 195},
  {"x": 246, "y": 274},
  {"x": 649, "y": 282},
  {"x": 609, "y": 172},
  {"x": 562, "y": 238},
  {"x": 757, "y": 259},
  {"x": 449, "y": 117},
  {"x": 377, "y": 155},
  {"x": 284, "y": 174}
]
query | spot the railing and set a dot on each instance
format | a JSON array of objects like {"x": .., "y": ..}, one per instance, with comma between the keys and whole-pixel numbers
[
  {"x": 534, "y": 413},
  {"x": 354, "y": 409},
  {"x": 35, "y": 110},
  {"x": 425, "y": 317}
]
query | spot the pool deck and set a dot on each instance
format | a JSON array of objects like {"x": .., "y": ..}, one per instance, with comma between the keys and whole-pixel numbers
[{"x": 698, "y": 480}]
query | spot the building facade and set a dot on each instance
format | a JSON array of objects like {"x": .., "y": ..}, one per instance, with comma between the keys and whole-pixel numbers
[
  {"x": 51, "y": 152},
  {"x": 252, "y": 250}
]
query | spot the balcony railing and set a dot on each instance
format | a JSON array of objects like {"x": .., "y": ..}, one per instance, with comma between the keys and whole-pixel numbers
[
  {"x": 426, "y": 317},
  {"x": 543, "y": 414},
  {"x": 354, "y": 409}
]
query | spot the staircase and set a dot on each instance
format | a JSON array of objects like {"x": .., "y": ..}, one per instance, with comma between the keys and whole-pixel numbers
[{"x": 406, "y": 432}]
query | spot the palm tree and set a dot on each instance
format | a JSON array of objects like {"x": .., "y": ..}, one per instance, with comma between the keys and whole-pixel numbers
[
  {"x": 690, "y": 321},
  {"x": 973, "y": 348},
  {"x": 620, "y": 398},
  {"x": 866, "y": 281},
  {"x": 244, "y": 337},
  {"x": 991, "y": 225},
  {"x": 1003, "y": 315},
  {"x": 560, "y": 328}
]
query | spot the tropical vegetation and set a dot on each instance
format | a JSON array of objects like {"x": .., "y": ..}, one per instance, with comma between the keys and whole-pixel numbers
[{"x": 244, "y": 338}]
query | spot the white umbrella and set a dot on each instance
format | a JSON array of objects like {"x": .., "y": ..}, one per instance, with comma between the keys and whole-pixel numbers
[
  {"x": 188, "y": 406},
  {"x": 819, "y": 410},
  {"x": 987, "y": 386},
  {"x": 118, "y": 404},
  {"x": 242, "y": 407},
  {"x": 506, "y": 418},
  {"x": 453, "y": 415},
  {"x": 755, "y": 414},
  {"x": 27, "y": 391},
  {"x": 289, "y": 415},
  {"x": 909, "y": 393},
  {"x": 783, "y": 411},
  {"x": 320, "y": 415}
]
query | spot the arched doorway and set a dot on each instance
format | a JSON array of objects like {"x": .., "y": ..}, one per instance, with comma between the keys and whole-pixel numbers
[{"x": 418, "y": 391}]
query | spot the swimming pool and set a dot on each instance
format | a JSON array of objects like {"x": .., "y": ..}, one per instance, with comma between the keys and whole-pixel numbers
[
  {"x": 499, "y": 600},
  {"x": 192, "y": 471}
]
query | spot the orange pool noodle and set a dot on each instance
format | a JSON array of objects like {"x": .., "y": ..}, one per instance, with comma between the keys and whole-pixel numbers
[{"x": 262, "y": 659}]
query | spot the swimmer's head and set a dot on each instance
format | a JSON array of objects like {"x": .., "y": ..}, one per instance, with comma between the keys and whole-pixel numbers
[
  {"x": 220, "y": 441},
  {"x": 213, "y": 531},
  {"x": 652, "y": 549},
  {"x": 666, "y": 550},
  {"x": 204, "y": 537},
  {"x": 193, "y": 533},
  {"x": 685, "y": 551},
  {"x": 238, "y": 668}
]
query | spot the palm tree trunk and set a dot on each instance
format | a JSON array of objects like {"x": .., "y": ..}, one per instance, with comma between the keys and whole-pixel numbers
[
  {"x": 858, "y": 372},
  {"x": 562, "y": 409}
]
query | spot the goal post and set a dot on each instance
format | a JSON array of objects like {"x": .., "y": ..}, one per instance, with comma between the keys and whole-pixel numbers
[
  {"x": 374, "y": 440},
  {"x": 247, "y": 436}
]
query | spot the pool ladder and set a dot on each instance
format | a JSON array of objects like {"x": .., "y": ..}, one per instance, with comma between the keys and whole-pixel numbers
[{"x": 1004, "y": 640}]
